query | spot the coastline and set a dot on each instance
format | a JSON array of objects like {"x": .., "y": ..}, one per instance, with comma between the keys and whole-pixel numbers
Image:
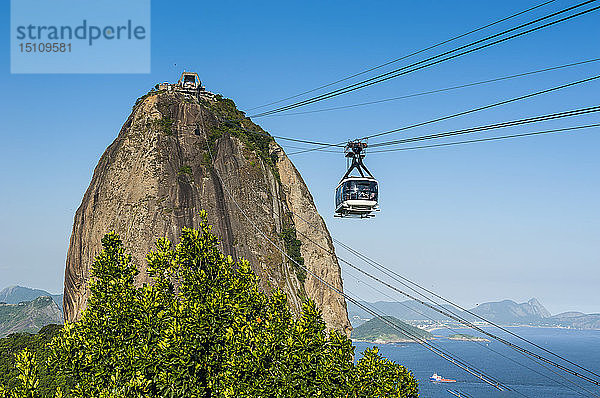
[
  {"x": 432, "y": 329},
  {"x": 395, "y": 341}
]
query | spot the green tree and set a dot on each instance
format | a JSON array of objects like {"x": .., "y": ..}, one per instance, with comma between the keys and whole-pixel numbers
[
  {"x": 27, "y": 383},
  {"x": 203, "y": 329},
  {"x": 36, "y": 344}
]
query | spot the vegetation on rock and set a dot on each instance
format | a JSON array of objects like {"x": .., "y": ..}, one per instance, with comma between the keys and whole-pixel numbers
[
  {"x": 202, "y": 329},
  {"x": 235, "y": 123},
  {"x": 185, "y": 169},
  {"x": 164, "y": 124},
  {"x": 292, "y": 247}
]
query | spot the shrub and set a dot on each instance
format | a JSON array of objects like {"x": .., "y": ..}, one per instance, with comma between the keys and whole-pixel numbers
[
  {"x": 164, "y": 124},
  {"x": 185, "y": 169},
  {"x": 292, "y": 248},
  {"x": 36, "y": 344}
]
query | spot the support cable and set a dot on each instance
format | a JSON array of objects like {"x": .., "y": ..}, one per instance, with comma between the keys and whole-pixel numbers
[
  {"x": 450, "y": 314},
  {"x": 405, "y": 56},
  {"x": 423, "y": 63},
  {"x": 405, "y": 281},
  {"x": 522, "y": 97},
  {"x": 325, "y": 145},
  {"x": 454, "y": 360},
  {"x": 459, "y": 394},
  {"x": 462, "y": 113},
  {"x": 328, "y": 144},
  {"x": 534, "y": 119},
  {"x": 440, "y": 90},
  {"x": 512, "y": 123},
  {"x": 503, "y": 137}
]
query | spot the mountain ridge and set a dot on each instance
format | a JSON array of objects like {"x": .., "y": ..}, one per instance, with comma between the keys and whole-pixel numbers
[
  {"x": 506, "y": 312},
  {"x": 15, "y": 294},
  {"x": 29, "y": 316}
]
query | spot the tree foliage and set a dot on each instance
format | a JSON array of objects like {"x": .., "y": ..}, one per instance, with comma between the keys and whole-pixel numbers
[
  {"x": 202, "y": 329},
  {"x": 36, "y": 344}
]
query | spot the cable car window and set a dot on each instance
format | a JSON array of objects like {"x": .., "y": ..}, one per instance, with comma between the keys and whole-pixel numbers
[
  {"x": 338, "y": 196},
  {"x": 359, "y": 190}
]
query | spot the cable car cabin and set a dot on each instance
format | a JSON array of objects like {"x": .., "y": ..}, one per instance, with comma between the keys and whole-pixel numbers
[{"x": 357, "y": 197}]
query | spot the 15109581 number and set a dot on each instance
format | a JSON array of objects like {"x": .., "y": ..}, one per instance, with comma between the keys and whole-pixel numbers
[{"x": 45, "y": 47}]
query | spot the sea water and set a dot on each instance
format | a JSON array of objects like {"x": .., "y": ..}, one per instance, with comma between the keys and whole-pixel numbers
[{"x": 524, "y": 378}]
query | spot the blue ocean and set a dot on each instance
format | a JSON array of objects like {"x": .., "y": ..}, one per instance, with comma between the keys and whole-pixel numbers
[{"x": 524, "y": 377}]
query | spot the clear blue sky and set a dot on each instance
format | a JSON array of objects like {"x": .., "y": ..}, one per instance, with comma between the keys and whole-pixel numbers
[{"x": 512, "y": 219}]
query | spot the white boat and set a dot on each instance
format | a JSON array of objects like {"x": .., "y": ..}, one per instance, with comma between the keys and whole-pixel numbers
[{"x": 439, "y": 379}]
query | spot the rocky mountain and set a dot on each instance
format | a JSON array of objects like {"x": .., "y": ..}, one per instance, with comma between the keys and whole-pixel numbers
[
  {"x": 158, "y": 174},
  {"x": 29, "y": 316},
  {"x": 378, "y": 331},
  {"x": 16, "y": 294},
  {"x": 509, "y": 312}
]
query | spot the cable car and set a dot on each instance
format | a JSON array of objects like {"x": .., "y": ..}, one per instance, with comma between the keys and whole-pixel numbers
[{"x": 357, "y": 196}]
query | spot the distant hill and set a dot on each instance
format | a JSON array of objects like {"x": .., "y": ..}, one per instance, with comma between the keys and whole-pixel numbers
[
  {"x": 29, "y": 316},
  {"x": 16, "y": 294},
  {"x": 506, "y": 312},
  {"x": 509, "y": 312},
  {"x": 378, "y": 331},
  {"x": 577, "y": 320}
]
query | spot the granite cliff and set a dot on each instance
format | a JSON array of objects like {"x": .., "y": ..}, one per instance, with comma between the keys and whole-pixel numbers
[{"x": 158, "y": 173}]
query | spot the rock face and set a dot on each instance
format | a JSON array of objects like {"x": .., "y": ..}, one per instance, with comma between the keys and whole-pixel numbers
[{"x": 158, "y": 173}]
